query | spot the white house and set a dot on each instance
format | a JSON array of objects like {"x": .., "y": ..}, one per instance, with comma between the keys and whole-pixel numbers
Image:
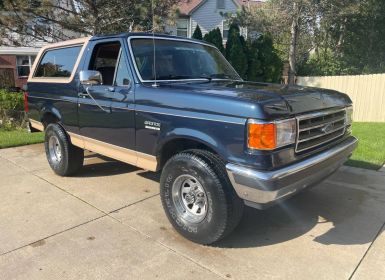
[{"x": 208, "y": 14}]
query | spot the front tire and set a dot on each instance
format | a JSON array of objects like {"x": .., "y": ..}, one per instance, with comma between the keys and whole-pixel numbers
[
  {"x": 64, "y": 158},
  {"x": 198, "y": 198}
]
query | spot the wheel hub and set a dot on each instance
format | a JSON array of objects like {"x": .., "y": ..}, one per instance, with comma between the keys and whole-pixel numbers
[
  {"x": 54, "y": 148},
  {"x": 190, "y": 198}
]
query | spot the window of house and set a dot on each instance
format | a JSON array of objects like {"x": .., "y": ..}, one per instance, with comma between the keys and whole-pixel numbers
[
  {"x": 24, "y": 65},
  {"x": 105, "y": 59},
  {"x": 225, "y": 29},
  {"x": 221, "y": 4},
  {"x": 58, "y": 62},
  {"x": 181, "y": 27}
]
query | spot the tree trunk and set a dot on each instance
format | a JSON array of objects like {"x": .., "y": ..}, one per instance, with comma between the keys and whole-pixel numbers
[
  {"x": 341, "y": 36},
  {"x": 293, "y": 50}
]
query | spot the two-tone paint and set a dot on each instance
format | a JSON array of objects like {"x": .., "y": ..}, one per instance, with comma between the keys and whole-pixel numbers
[{"x": 140, "y": 120}]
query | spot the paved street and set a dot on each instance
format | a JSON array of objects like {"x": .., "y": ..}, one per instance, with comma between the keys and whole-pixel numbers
[{"x": 108, "y": 223}]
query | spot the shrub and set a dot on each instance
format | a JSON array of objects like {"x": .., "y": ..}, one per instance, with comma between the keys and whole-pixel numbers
[
  {"x": 197, "y": 33},
  {"x": 12, "y": 113},
  {"x": 236, "y": 51},
  {"x": 265, "y": 64},
  {"x": 215, "y": 37},
  {"x": 11, "y": 100}
]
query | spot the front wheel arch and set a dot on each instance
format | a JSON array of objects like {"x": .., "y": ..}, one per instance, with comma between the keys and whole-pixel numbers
[{"x": 182, "y": 143}]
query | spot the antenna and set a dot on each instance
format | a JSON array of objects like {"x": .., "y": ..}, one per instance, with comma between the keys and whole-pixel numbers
[{"x": 153, "y": 43}]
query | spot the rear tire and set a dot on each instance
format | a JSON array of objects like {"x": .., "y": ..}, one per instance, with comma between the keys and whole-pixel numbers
[
  {"x": 64, "y": 158},
  {"x": 198, "y": 197}
]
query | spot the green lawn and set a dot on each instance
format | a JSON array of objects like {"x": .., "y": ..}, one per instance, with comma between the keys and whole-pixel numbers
[
  {"x": 370, "y": 153},
  {"x": 19, "y": 137}
]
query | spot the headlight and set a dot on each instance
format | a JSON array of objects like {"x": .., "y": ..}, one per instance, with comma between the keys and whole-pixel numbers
[
  {"x": 349, "y": 115},
  {"x": 270, "y": 135}
]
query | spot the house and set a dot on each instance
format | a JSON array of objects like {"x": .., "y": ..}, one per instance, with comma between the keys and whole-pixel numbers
[
  {"x": 15, "y": 65},
  {"x": 16, "y": 61},
  {"x": 208, "y": 14}
]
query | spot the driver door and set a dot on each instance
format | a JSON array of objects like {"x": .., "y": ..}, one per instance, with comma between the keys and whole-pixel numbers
[{"x": 106, "y": 115}]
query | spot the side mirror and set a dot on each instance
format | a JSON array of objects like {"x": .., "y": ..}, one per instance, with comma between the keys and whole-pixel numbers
[{"x": 90, "y": 77}]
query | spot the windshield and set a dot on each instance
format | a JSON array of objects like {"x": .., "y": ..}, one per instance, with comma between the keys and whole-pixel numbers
[{"x": 177, "y": 60}]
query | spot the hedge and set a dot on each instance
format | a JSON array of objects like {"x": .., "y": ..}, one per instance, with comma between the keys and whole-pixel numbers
[
  {"x": 12, "y": 113},
  {"x": 11, "y": 100}
]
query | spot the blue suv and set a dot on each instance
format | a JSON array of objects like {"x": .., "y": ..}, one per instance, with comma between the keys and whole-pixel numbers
[{"x": 173, "y": 104}]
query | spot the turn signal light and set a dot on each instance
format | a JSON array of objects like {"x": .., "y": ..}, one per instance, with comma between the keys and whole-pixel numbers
[
  {"x": 270, "y": 135},
  {"x": 262, "y": 136}
]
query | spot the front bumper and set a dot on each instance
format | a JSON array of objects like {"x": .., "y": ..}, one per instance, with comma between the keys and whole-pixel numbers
[{"x": 261, "y": 189}]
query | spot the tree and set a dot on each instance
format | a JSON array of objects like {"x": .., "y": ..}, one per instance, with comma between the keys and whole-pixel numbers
[
  {"x": 236, "y": 51},
  {"x": 322, "y": 36},
  {"x": 264, "y": 65},
  {"x": 215, "y": 37},
  {"x": 254, "y": 70},
  {"x": 197, "y": 33},
  {"x": 24, "y": 20},
  {"x": 271, "y": 63},
  {"x": 289, "y": 23}
]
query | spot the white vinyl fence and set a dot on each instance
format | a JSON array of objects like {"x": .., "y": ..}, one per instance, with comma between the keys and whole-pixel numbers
[{"x": 366, "y": 91}]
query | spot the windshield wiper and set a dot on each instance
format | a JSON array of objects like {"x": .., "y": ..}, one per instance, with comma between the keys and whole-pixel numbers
[
  {"x": 182, "y": 77},
  {"x": 209, "y": 78},
  {"x": 221, "y": 76}
]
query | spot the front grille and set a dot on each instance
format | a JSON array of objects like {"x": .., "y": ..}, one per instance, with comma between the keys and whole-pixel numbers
[{"x": 319, "y": 128}]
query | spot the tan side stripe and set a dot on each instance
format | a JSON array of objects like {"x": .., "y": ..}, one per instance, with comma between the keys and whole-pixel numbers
[
  {"x": 37, "y": 125},
  {"x": 138, "y": 159}
]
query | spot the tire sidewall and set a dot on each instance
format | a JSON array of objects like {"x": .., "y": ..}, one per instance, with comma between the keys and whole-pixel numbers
[
  {"x": 215, "y": 221},
  {"x": 55, "y": 130}
]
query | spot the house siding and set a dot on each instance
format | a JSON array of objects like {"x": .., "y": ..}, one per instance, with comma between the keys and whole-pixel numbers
[{"x": 209, "y": 17}]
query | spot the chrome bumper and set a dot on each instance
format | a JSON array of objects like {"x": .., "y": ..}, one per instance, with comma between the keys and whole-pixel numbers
[{"x": 261, "y": 189}]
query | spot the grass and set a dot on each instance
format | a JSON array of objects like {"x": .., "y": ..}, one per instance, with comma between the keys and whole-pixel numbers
[
  {"x": 19, "y": 137},
  {"x": 370, "y": 153}
]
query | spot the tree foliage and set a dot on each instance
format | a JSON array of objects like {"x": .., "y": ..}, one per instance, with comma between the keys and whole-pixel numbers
[
  {"x": 264, "y": 64},
  {"x": 236, "y": 51},
  {"x": 48, "y": 20},
  {"x": 197, "y": 33},
  {"x": 322, "y": 37},
  {"x": 215, "y": 37}
]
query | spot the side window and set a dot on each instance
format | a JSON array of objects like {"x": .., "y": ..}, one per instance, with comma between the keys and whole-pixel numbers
[
  {"x": 104, "y": 59},
  {"x": 58, "y": 62},
  {"x": 122, "y": 75}
]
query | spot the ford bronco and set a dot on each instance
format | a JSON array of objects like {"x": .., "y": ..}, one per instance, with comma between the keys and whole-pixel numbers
[{"x": 174, "y": 104}]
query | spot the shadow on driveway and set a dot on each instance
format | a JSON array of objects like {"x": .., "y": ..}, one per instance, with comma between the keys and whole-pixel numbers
[
  {"x": 299, "y": 215},
  {"x": 326, "y": 203}
]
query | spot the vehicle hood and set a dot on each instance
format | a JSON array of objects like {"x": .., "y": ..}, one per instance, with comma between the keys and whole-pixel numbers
[{"x": 275, "y": 100}]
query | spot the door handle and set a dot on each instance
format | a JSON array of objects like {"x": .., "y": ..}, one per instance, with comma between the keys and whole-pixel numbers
[
  {"x": 110, "y": 89},
  {"x": 83, "y": 94}
]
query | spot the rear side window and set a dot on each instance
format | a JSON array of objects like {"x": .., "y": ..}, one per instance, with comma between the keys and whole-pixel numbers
[{"x": 58, "y": 62}]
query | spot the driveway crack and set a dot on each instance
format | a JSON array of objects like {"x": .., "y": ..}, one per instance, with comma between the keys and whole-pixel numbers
[
  {"x": 382, "y": 228},
  {"x": 52, "y": 235}
]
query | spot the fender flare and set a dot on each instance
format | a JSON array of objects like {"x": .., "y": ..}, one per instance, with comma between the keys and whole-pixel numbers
[
  {"x": 191, "y": 134},
  {"x": 50, "y": 110}
]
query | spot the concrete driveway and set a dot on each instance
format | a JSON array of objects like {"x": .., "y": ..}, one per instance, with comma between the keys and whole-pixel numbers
[{"x": 108, "y": 223}]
